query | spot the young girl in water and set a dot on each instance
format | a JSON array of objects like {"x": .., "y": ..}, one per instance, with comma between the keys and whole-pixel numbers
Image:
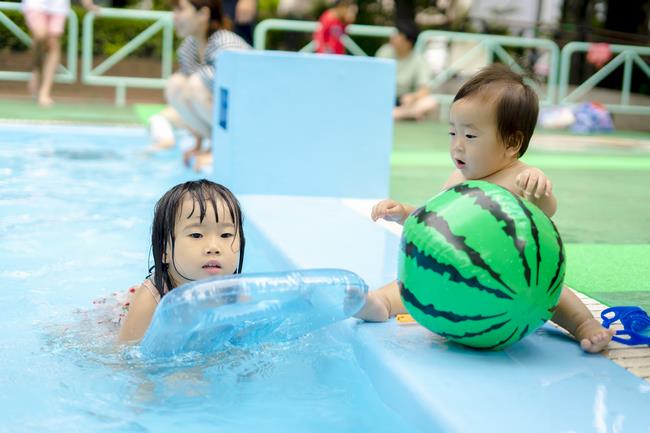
[{"x": 196, "y": 233}]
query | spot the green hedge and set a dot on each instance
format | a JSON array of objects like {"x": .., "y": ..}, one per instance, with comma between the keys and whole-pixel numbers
[{"x": 110, "y": 35}]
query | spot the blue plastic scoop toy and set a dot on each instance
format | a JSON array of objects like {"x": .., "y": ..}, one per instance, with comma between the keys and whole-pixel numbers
[{"x": 635, "y": 321}]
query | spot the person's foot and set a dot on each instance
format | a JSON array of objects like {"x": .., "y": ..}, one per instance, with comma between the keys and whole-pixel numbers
[
  {"x": 203, "y": 161},
  {"x": 188, "y": 156},
  {"x": 593, "y": 337},
  {"x": 45, "y": 101}
]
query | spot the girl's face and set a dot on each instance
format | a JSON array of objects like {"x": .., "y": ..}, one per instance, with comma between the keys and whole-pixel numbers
[
  {"x": 202, "y": 249},
  {"x": 476, "y": 147},
  {"x": 188, "y": 21}
]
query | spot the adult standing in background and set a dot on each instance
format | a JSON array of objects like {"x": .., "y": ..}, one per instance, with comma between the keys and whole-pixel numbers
[{"x": 46, "y": 22}]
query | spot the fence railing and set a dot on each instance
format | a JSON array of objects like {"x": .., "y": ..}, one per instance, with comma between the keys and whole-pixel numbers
[
  {"x": 96, "y": 76},
  {"x": 263, "y": 28},
  {"x": 555, "y": 89},
  {"x": 628, "y": 56},
  {"x": 64, "y": 74},
  {"x": 492, "y": 47}
]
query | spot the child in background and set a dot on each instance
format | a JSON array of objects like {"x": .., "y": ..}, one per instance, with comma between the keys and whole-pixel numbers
[
  {"x": 196, "y": 233},
  {"x": 491, "y": 121},
  {"x": 46, "y": 22},
  {"x": 332, "y": 27}
]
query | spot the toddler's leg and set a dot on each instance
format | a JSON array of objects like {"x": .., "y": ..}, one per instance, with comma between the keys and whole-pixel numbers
[
  {"x": 572, "y": 315},
  {"x": 382, "y": 304}
]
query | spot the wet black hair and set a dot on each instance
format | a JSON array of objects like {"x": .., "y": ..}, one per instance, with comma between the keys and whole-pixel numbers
[{"x": 166, "y": 211}]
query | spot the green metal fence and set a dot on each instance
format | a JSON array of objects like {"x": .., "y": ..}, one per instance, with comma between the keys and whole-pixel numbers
[
  {"x": 628, "y": 56},
  {"x": 491, "y": 48},
  {"x": 263, "y": 28},
  {"x": 64, "y": 74},
  {"x": 162, "y": 21},
  {"x": 555, "y": 89}
]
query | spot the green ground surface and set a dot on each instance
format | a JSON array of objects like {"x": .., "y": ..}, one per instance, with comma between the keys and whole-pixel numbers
[{"x": 603, "y": 193}]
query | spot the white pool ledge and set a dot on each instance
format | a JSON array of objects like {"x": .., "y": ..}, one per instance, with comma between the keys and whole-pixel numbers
[{"x": 544, "y": 383}]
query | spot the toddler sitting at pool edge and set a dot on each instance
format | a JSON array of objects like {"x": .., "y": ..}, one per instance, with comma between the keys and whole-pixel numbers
[{"x": 491, "y": 121}]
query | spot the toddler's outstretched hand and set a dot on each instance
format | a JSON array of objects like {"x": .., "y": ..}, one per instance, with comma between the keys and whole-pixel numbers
[
  {"x": 534, "y": 183},
  {"x": 390, "y": 210}
]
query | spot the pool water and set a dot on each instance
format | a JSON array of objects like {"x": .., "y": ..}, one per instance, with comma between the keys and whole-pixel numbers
[{"x": 75, "y": 213}]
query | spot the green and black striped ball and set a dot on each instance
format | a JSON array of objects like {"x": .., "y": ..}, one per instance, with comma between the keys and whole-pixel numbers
[{"x": 480, "y": 266}]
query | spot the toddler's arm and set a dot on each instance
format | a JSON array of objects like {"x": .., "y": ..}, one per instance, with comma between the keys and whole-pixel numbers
[
  {"x": 391, "y": 210},
  {"x": 536, "y": 187}
]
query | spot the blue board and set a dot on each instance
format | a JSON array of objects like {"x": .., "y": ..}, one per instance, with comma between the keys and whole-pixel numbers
[{"x": 303, "y": 124}]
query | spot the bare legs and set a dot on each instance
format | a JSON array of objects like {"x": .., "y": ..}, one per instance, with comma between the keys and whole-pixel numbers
[
  {"x": 192, "y": 100},
  {"x": 416, "y": 109},
  {"x": 47, "y": 54}
]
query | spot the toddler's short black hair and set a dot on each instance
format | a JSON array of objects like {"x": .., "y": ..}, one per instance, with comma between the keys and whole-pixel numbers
[{"x": 517, "y": 105}]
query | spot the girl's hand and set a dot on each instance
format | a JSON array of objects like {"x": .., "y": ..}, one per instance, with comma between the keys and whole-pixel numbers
[
  {"x": 390, "y": 210},
  {"x": 533, "y": 183}
]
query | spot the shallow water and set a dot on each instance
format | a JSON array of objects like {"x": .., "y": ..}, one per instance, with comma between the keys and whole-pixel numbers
[{"x": 75, "y": 211}]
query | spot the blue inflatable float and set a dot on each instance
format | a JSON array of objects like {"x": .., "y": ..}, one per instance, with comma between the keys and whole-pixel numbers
[{"x": 250, "y": 309}]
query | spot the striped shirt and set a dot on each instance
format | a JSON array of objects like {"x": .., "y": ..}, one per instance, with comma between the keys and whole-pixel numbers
[{"x": 188, "y": 54}]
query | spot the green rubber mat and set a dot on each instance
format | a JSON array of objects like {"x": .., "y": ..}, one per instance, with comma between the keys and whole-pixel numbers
[
  {"x": 75, "y": 112},
  {"x": 67, "y": 112},
  {"x": 612, "y": 274},
  {"x": 145, "y": 111}
]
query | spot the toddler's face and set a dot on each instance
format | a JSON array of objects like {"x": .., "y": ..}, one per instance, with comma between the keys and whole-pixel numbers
[
  {"x": 476, "y": 148},
  {"x": 202, "y": 249}
]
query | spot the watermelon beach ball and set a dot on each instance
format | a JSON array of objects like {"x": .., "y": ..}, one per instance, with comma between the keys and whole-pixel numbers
[{"x": 480, "y": 266}]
